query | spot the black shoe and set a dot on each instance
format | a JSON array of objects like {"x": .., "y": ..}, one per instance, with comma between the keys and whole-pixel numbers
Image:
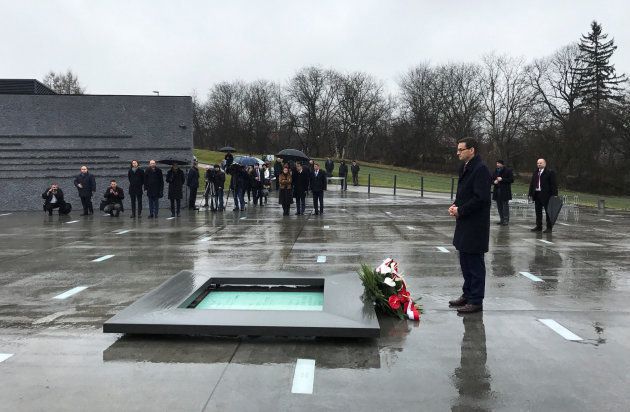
[
  {"x": 178, "y": 215},
  {"x": 470, "y": 308},
  {"x": 132, "y": 217},
  {"x": 505, "y": 224},
  {"x": 498, "y": 223},
  {"x": 548, "y": 230},
  {"x": 50, "y": 213},
  {"x": 150, "y": 217},
  {"x": 84, "y": 214},
  {"x": 242, "y": 210},
  {"x": 316, "y": 213},
  {"x": 459, "y": 302},
  {"x": 536, "y": 229}
]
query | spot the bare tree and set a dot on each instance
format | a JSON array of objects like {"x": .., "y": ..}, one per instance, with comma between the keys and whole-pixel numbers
[
  {"x": 224, "y": 110},
  {"x": 461, "y": 99},
  {"x": 313, "y": 105},
  {"x": 258, "y": 104},
  {"x": 507, "y": 100},
  {"x": 64, "y": 83}
]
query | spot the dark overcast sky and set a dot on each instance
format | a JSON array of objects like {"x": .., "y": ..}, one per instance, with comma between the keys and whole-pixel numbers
[{"x": 134, "y": 47}]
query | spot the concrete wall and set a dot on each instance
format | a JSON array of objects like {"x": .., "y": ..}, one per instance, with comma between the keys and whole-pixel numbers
[{"x": 46, "y": 138}]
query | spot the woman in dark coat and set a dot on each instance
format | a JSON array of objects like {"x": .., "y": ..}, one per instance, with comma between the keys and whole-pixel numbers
[
  {"x": 136, "y": 181},
  {"x": 175, "y": 179},
  {"x": 86, "y": 185},
  {"x": 286, "y": 188}
]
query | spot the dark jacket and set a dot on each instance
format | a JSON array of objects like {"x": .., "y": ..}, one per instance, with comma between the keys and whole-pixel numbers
[
  {"x": 258, "y": 184},
  {"x": 154, "y": 182},
  {"x": 239, "y": 179},
  {"x": 48, "y": 197},
  {"x": 88, "y": 182},
  {"x": 472, "y": 227},
  {"x": 548, "y": 185},
  {"x": 136, "y": 181},
  {"x": 229, "y": 159},
  {"x": 277, "y": 168},
  {"x": 300, "y": 182},
  {"x": 116, "y": 197},
  {"x": 192, "y": 180},
  {"x": 343, "y": 170},
  {"x": 502, "y": 191},
  {"x": 319, "y": 182},
  {"x": 355, "y": 169},
  {"x": 219, "y": 180},
  {"x": 175, "y": 180},
  {"x": 330, "y": 167}
]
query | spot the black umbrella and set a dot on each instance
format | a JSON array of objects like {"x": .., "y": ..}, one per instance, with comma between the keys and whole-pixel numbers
[
  {"x": 292, "y": 154},
  {"x": 553, "y": 208},
  {"x": 227, "y": 149},
  {"x": 170, "y": 162},
  {"x": 247, "y": 161}
]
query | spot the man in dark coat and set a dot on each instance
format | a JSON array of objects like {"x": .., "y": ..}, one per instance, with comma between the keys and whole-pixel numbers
[
  {"x": 257, "y": 184},
  {"x": 154, "y": 186},
  {"x": 175, "y": 179},
  {"x": 192, "y": 181},
  {"x": 317, "y": 185},
  {"x": 300, "y": 186},
  {"x": 329, "y": 166},
  {"x": 86, "y": 185},
  {"x": 53, "y": 198},
  {"x": 114, "y": 196},
  {"x": 277, "y": 169},
  {"x": 136, "y": 182},
  {"x": 542, "y": 186},
  {"x": 238, "y": 185},
  {"x": 471, "y": 210},
  {"x": 229, "y": 159},
  {"x": 219, "y": 183},
  {"x": 343, "y": 172},
  {"x": 354, "y": 169},
  {"x": 502, "y": 180}
]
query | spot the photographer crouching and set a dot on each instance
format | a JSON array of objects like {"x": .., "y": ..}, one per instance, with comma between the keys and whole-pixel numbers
[
  {"x": 113, "y": 197},
  {"x": 53, "y": 199}
]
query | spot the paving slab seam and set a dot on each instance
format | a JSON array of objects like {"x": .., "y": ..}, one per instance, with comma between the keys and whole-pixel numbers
[{"x": 221, "y": 376}]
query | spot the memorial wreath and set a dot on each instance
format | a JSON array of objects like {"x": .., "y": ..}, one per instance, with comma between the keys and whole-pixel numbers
[{"x": 387, "y": 289}]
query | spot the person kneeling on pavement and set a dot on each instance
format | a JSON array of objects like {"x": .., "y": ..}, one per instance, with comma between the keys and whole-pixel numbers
[
  {"x": 114, "y": 196},
  {"x": 53, "y": 198}
]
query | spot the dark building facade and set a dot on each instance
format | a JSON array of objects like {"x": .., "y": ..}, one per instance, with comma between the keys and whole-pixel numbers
[
  {"x": 45, "y": 138},
  {"x": 23, "y": 86}
]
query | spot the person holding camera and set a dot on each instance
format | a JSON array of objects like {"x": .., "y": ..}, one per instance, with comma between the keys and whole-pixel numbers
[
  {"x": 219, "y": 183},
  {"x": 113, "y": 196},
  {"x": 53, "y": 199}
]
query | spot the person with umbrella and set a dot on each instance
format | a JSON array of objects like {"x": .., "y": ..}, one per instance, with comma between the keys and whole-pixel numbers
[
  {"x": 154, "y": 186},
  {"x": 175, "y": 179},
  {"x": 229, "y": 159},
  {"x": 541, "y": 188},
  {"x": 285, "y": 197}
]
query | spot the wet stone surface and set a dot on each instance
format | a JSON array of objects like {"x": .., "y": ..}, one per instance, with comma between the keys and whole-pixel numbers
[{"x": 503, "y": 359}]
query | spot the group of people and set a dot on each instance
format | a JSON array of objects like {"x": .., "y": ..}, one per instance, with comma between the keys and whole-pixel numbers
[
  {"x": 149, "y": 181},
  {"x": 343, "y": 172},
  {"x": 471, "y": 210}
]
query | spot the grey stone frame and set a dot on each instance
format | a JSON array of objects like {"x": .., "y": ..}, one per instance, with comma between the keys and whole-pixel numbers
[{"x": 165, "y": 310}]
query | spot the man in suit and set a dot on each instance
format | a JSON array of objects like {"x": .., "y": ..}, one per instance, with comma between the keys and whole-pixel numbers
[
  {"x": 257, "y": 184},
  {"x": 154, "y": 186},
  {"x": 343, "y": 172},
  {"x": 502, "y": 180},
  {"x": 317, "y": 185},
  {"x": 300, "y": 186},
  {"x": 86, "y": 185},
  {"x": 471, "y": 210},
  {"x": 542, "y": 186},
  {"x": 330, "y": 167}
]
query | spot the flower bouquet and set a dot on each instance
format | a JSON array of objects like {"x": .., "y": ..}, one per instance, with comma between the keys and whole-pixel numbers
[{"x": 386, "y": 287}]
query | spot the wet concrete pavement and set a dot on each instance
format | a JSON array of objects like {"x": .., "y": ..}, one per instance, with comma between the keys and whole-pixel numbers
[{"x": 503, "y": 359}]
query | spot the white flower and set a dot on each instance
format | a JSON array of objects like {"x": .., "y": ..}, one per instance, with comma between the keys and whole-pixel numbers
[
  {"x": 389, "y": 282},
  {"x": 383, "y": 269}
]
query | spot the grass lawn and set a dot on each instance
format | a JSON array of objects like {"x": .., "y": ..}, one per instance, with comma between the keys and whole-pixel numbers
[{"x": 383, "y": 176}]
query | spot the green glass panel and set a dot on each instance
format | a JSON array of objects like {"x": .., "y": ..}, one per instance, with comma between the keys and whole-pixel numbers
[{"x": 263, "y": 301}]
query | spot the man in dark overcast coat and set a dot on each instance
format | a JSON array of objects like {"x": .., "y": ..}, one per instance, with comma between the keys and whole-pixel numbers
[
  {"x": 471, "y": 210},
  {"x": 542, "y": 186}
]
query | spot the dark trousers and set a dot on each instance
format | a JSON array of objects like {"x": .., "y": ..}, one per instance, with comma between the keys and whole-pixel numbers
[
  {"x": 239, "y": 197},
  {"x": 300, "y": 202},
  {"x": 344, "y": 182},
  {"x": 503, "y": 206},
  {"x": 474, "y": 271},
  {"x": 318, "y": 197},
  {"x": 175, "y": 202},
  {"x": 192, "y": 197},
  {"x": 355, "y": 180},
  {"x": 154, "y": 205},
  {"x": 86, "y": 201},
  {"x": 257, "y": 195},
  {"x": 136, "y": 199},
  {"x": 113, "y": 209},
  {"x": 218, "y": 198},
  {"x": 538, "y": 206},
  {"x": 49, "y": 207}
]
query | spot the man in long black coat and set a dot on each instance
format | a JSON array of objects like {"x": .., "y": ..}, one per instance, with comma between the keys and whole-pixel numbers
[
  {"x": 471, "y": 210},
  {"x": 343, "y": 172},
  {"x": 192, "y": 181},
  {"x": 154, "y": 186},
  {"x": 136, "y": 182},
  {"x": 86, "y": 185},
  {"x": 502, "y": 180},
  {"x": 330, "y": 167},
  {"x": 318, "y": 184},
  {"x": 300, "y": 186},
  {"x": 175, "y": 179},
  {"x": 542, "y": 186}
]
